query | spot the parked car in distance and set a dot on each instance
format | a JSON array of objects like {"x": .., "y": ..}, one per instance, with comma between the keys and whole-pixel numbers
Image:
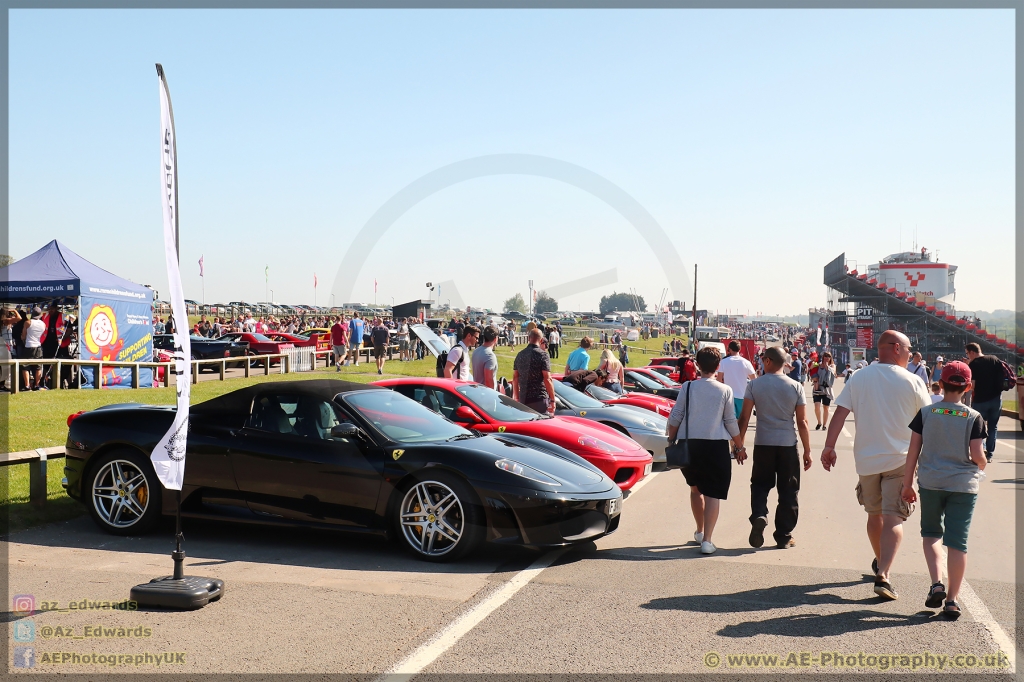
[
  {"x": 259, "y": 344},
  {"x": 645, "y": 401},
  {"x": 205, "y": 349},
  {"x": 634, "y": 381}
]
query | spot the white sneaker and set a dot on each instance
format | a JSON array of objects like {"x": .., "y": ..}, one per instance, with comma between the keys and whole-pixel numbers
[
  {"x": 707, "y": 547},
  {"x": 698, "y": 536}
]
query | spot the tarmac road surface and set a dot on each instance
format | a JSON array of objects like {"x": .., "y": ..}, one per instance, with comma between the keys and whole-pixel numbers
[{"x": 642, "y": 600}]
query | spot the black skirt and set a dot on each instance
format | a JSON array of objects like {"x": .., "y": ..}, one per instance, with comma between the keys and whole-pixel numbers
[{"x": 710, "y": 469}]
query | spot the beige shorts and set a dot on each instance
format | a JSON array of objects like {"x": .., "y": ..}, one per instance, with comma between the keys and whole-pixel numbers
[{"x": 880, "y": 494}]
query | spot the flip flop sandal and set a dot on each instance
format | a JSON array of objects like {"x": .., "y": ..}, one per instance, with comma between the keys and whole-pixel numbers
[
  {"x": 935, "y": 596},
  {"x": 884, "y": 589},
  {"x": 952, "y": 610}
]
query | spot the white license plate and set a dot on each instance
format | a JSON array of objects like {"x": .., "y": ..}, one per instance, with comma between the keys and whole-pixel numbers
[
  {"x": 614, "y": 506},
  {"x": 647, "y": 469}
]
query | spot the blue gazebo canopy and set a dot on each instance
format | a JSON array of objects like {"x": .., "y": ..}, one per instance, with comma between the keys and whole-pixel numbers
[{"x": 55, "y": 271}]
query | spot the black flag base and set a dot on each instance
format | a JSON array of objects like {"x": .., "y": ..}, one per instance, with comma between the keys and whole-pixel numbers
[
  {"x": 182, "y": 594},
  {"x": 179, "y": 591}
]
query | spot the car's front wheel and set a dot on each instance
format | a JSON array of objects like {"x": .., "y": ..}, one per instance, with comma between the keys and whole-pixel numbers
[
  {"x": 439, "y": 519},
  {"x": 124, "y": 493}
]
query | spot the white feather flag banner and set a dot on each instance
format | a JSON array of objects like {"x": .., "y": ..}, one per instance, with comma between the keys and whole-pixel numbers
[{"x": 169, "y": 455}]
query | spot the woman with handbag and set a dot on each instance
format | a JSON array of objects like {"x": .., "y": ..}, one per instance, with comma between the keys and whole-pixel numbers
[
  {"x": 704, "y": 418},
  {"x": 824, "y": 380}
]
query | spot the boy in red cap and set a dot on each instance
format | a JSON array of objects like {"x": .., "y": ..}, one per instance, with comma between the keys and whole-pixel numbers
[{"x": 946, "y": 450}]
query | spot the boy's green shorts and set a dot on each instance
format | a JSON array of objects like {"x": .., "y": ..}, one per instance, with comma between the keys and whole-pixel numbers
[{"x": 947, "y": 515}]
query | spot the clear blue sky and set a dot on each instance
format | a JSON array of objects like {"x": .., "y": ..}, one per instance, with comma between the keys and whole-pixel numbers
[{"x": 765, "y": 143}]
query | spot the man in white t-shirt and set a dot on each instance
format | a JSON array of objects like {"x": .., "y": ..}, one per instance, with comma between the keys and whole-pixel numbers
[
  {"x": 31, "y": 337},
  {"x": 734, "y": 371},
  {"x": 459, "y": 364},
  {"x": 884, "y": 398}
]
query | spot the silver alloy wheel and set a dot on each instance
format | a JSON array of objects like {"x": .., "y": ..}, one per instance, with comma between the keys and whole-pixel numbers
[
  {"x": 120, "y": 493},
  {"x": 432, "y": 518}
]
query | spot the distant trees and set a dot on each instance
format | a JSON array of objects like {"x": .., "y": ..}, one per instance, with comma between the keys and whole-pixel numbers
[
  {"x": 545, "y": 304},
  {"x": 516, "y": 303},
  {"x": 622, "y": 302},
  {"x": 5, "y": 260}
]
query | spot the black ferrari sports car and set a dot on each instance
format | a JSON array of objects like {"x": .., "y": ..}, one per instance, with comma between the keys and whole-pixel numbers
[{"x": 345, "y": 456}]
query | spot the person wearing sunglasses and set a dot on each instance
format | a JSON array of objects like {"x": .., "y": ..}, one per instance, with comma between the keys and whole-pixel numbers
[{"x": 884, "y": 398}]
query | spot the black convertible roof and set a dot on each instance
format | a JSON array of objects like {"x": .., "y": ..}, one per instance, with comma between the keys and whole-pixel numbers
[{"x": 241, "y": 400}]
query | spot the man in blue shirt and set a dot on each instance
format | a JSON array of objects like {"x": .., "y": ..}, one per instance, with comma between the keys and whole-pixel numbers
[
  {"x": 579, "y": 358},
  {"x": 355, "y": 337},
  {"x": 798, "y": 368}
]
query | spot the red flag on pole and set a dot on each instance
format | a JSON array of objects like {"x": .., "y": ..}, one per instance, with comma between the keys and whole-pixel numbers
[{"x": 314, "y": 280}]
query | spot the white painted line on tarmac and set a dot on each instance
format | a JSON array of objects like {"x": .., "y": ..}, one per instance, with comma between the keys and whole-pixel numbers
[
  {"x": 431, "y": 650},
  {"x": 972, "y": 602},
  {"x": 641, "y": 484},
  {"x": 447, "y": 638}
]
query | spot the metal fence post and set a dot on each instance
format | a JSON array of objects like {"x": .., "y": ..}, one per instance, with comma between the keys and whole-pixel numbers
[{"x": 37, "y": 479}]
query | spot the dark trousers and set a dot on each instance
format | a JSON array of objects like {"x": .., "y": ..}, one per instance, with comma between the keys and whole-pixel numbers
[
  {"x": 776, "y": 466},
  {"x": 990, "y": 410}
]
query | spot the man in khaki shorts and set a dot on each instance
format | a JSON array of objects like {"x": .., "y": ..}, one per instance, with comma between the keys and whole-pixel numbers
[{"x": 884, "y": 398}]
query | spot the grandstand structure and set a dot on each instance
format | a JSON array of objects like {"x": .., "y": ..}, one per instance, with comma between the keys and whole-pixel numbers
[{"x": 896, "y": 293}]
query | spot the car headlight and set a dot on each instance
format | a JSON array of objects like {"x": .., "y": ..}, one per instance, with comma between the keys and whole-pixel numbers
[
  {"x": 597, "y": 444},
  {"x": 519, "y": 469}
]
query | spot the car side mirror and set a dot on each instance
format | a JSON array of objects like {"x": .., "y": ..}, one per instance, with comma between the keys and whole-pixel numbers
[
  {"x": 466, "y": 415},
  {"x": 346, "y": 430}
]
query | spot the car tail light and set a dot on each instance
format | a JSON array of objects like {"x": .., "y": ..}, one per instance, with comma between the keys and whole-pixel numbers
[
  {"x": 73, "y": 417},
  {"x": 227, "y": 354}
]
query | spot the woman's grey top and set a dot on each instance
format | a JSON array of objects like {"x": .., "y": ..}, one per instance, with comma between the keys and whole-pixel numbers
[{"x": 712, "y": 411}]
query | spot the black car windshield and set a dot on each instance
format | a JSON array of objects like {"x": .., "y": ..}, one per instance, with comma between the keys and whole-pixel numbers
[
  {"x": 644, "y": 381},
  {"x": 402, "y": 419},
  {"x": 498, "y": 406},
  {"x": 666, "y": 380},
  {"x": 602, "y": 393},
  {"x": 576, "y": 399}
]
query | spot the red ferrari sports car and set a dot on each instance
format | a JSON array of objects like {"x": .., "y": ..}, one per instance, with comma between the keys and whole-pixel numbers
[
  {"x": 294, "y": 339},
  {"x": 647, "y": 401},
  {"x": 260, "y": 344},
  {"x": 662, "y": 379},
  {"x": 478, "y": 407}
]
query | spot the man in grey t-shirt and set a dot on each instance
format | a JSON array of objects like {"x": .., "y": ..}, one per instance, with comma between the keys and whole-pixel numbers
[
  {"x": 780, "y": 404},
  {"x": 484, "y": 361}
]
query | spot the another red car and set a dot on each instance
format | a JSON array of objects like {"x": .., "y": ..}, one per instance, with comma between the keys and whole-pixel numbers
[
  {"x": 294, "y": 339},
  {"x": 662, "y": 379},
  {"x": 647, "y": 401},
  {"x": 260, "y": 344},
  {"x": 482, "y": 409}
]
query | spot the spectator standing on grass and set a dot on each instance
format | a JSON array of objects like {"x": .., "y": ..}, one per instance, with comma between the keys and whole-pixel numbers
[
  {"x": 986, "y": 391},
  {"x": 531, "y": 376},
  {"x": 579, "y": 358},
  {"x": 31, "y": 336},
  {"x": 339, "y": 339},
  {"x": 402, "y": 333},
  {"x": 355, "y": 337},
  {"x": 709, "y": 427},
  {"x": 945, "y": 449},
  {"x": 460, "y": 364},
  {"x": 781, "y": 415},
  {"x": 554, "y": 339},
  {"x": 381, "y": 339},
  {"x": 735, "y": 371},
  {"x": 484, "y": 361},
  {"x": 883, "y": 398}
]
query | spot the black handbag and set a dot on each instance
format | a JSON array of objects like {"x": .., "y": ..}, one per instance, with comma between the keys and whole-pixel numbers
[{"x": 677, "y": 454}]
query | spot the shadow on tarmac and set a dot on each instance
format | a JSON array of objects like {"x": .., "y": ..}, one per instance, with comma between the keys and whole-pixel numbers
[{"x": 761, "y": 599}]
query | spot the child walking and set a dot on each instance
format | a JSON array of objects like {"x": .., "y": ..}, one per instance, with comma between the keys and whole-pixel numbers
[{"x": 946, "y": 450}]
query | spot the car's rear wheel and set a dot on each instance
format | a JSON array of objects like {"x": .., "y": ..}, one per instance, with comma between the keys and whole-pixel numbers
[
  {"x": 438, "y": 518},
  {"x": 124, "y": 494}
]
